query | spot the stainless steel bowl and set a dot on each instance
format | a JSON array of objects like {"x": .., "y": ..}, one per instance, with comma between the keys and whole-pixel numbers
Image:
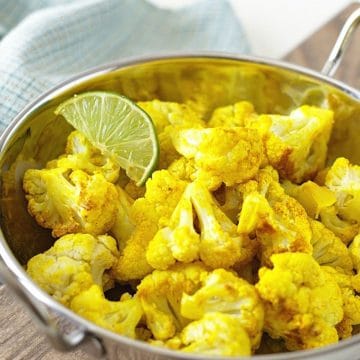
[{"x": 37, "y": 135}]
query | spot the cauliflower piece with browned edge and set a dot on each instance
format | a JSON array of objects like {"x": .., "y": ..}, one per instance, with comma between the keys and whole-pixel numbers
[
  {"x": 81, "y": 155},
  {"x": 216, "y": 334},
  {"x": 278, "y": 221},
  {"x": 121, "y": 316},
  {"x": 178, "y": 241},
  {"x": 296, "y": 144},
  {"x": 228, "y": 155},
  {"x": 349, "y": 286},
  {"x": 303, "y": 303},
  {"x": 328, "y": 249},
  {"x": 220, "y": 243},
  {"x": 70, "y": 201},
  {"x": 223, "y": 292},
  {"x": 311, "y": 196},
  {"x": 73, "y": 264},
  {"x": 153, "y": 211},
  {"x": 232, "y": 115},
  {"x": 160, "y": 295}
]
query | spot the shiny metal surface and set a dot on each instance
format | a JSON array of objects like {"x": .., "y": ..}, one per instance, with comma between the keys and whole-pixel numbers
[
  {"x": 341, "y": 44},
  {"x": 211, "y": 80}
]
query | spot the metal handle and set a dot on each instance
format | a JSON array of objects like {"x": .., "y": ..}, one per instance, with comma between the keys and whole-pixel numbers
[
  {"x": 341, "y": 44},
  {"x": 40, "y": 314}
]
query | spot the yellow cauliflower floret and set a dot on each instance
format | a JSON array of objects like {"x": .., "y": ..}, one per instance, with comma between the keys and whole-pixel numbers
[
  {"x": 311, "y": 196},
  {"x": 349, "y": 286},
  {"x": 354, "y": 250},
  {"x": 232, "y": 115},
  {"x": 123, "y": 226},
  {"x": 160, "y": 294},
  {"x": 73, "y": 264},
  {"x": 217, "y": 243},
  {"x": 163, "y": 192},
  {"x": 279, "y": 222},
  {"x": 296, "y": 145},
  {"x": 121, "y": 317},
  {"x": 343, "y": 179},
  {"x": 183, "y": 168},
  {"x": 166, "y": 117},
  {"x": 81, "y": 155},
  {"x": 132, "y": 263},
  {"x": 153, "y": 211},
  {"x": 229, "y": 155},
  {"x": 345, "y": 230},
  {"x": 223, "y": 292},
  {"x": 70, "y": 201},
  {"x": 303, "y": 303},
  {"x": 328, "y": 249},
  {"x": 177, "y": 242},
  {"x": 220, "y": 243},
  {"x": 216, "y": 334}
]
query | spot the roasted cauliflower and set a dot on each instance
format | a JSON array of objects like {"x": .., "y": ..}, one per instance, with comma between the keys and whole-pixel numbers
[
  {"x": 278, "y": 221},
  {"x": 153, "y": 211},
  {"x": 73, "y": 264},
  {"x": 223, "y": 292},
  {"x": 70, "y": 201},
  {"x": 296, "y": 144},
  {"x": 240, "y": 243},
  {"x": 81, "y": 155},
  {"x": 160, "y": 294},
  {"x": 303, "y": 303},
  {"x": 121, "y": 317},
  {"x": 228, "y": 155}
]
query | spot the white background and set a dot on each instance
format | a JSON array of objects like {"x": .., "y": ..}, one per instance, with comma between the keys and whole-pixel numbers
[{"x": 275, "y": 27}]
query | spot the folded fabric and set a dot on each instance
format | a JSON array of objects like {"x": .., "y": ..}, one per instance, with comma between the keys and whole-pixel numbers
[{"x": 48, "y": 41}]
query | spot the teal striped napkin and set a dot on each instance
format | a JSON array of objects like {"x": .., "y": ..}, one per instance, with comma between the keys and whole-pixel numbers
[{"x": 47, "y": 41}]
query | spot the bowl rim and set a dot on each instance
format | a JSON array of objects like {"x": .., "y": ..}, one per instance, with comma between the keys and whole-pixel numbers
[{"x": 39, "y": 295}]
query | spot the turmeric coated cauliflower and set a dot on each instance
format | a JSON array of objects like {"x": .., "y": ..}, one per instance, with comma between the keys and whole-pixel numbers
[
  {"x": 167, "y": 116},
  {"x": 343, "y": 179},
  {"x": 232, "y": 115},
  {"x": 303, "y": 303},
  {"x": 160, "y": 295},
  {"x": 81, "y": 155},
  {"x": 154, "y": 210},
  {"x": 216, "y": 334},
  {"x": 241, "y": 243},
  {"x": 328, "y": 249},
  {"x": 278, "y": 221},
  {"x": 223, "y": 292},
  {"x": 70, "y": 201},
  {"x": 349, "y": 286},
  {"x": 296, "y": 145},
  {"x": 73, "y": 264},
  {"x": 229, "y": 155},
  {"x": 178, "y": 241},
  {"x": 311, "y": 196},
  {"x": 220, "y": 243},
  {"x": 121, "y": 317}
]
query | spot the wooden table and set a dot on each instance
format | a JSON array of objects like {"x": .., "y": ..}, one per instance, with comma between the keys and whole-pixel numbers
[{"x": 19, "y": 338}]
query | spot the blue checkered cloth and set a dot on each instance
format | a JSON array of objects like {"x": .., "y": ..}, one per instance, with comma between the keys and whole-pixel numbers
[{"x": 47, "y": 41}]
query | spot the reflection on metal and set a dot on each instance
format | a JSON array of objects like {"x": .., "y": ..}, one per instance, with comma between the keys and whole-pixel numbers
[{"x": 341, "y": 44}]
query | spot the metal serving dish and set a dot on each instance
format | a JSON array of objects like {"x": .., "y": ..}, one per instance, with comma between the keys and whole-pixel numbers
[{"x": 37, "y": 135}]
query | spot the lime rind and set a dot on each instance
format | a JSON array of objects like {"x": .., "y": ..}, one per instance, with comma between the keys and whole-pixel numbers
[{"x": 118, "y": 127}]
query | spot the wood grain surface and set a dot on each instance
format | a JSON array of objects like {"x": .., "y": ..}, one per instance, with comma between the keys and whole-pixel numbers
[{"x": 19, "y": 338}]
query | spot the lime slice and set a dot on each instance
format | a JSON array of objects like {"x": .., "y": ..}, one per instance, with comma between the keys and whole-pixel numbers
[{"x": 116, "y": 126}]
